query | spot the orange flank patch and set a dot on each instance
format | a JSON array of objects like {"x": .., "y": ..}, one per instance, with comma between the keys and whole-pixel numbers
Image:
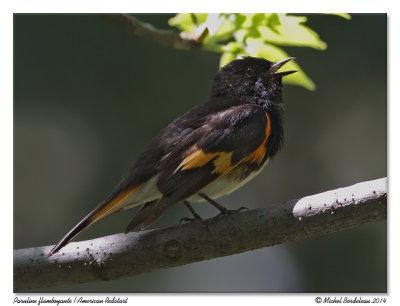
[
  {"x": 259, "y": 153},
  {"x": 108, "y": 208},
  {"x": 223, "y": 160}
]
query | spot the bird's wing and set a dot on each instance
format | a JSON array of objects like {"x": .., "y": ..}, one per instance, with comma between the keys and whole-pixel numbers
[{"x": 228, "y": 138}]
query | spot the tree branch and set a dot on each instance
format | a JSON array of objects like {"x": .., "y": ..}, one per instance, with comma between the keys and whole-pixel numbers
[
  {"x": 165, "y": 38},
  {"x": 122, "y": 255}
]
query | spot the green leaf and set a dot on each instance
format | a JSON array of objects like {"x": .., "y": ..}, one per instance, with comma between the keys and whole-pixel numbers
[
  {"x": 188, "y": 22},
  {"x": 199, "y": 18},
  {"x": 220, "y": 27},
  {"x": 183, "y": 22},
  {"x": 248, "y": 23},
  {"x": 235, "y": 35},
  {"x": 239, "y": 20},
  {"x": 203, "y": 36},
  {"x": 233, "y": 47},
  {"x": 240, "y": 35},
  {"x": 226, "y": 58},
  {"x": 253, "y": 32},
  {"x": 257, "y": 19},
  {"x": 344, "y": 15},
  {"x": 273, "y": 20},
  {"x": 291, "y": 32},
  {"x": 259, "y": 48}
]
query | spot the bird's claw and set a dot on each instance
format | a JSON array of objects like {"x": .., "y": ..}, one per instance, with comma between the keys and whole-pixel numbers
[{"x": 226, "y": 212}]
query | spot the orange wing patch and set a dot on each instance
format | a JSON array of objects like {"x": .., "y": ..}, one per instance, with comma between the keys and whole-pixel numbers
[
  {"x": 108, "y": 208},
  {"x": 199, "y": 158},
  {"x": 223, "y": 160}
]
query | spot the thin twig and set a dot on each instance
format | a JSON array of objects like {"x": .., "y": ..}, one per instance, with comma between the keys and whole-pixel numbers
[
  {"x": 122, "y": 255},
  {"x": 166, "y": 38}
]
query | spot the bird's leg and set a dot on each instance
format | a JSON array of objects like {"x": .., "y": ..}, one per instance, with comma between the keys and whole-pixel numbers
[
  {"x": 223, "y": 210},
  {"x": 196, "y": 216}
]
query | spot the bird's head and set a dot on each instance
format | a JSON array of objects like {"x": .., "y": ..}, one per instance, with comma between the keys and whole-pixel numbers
[{"x": 251, "y": 77}]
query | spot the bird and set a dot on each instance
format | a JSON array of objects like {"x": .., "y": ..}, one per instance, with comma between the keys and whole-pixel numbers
[{"x": 208, "y": 152}]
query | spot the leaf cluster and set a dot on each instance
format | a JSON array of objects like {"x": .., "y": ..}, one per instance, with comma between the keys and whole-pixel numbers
[{"x": 237, "y": 35}]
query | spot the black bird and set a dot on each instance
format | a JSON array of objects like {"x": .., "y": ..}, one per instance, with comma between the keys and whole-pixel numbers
[{"x": 208, "y": 152}]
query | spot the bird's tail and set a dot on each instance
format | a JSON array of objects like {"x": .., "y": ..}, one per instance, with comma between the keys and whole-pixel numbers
[
  {"x": 84, "y": 223},
  {"x": 141, "y": 215},
  {"x": 109, "y": 206}
]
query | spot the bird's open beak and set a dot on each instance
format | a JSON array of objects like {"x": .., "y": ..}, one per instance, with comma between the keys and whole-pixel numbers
[{"x": 275, "y": 67}]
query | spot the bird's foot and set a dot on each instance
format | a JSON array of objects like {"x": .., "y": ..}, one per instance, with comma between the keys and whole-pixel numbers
[
  {"x": 225, "y": 212},
  {"x": 189, "y": 220},
  {"x": 196, "y": 216}
]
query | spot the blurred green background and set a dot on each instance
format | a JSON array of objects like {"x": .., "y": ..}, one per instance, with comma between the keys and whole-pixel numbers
[{"x": 89, "y": 97}]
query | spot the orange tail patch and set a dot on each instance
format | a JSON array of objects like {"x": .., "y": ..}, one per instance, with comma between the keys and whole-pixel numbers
[{"x": 111, "y": 207}]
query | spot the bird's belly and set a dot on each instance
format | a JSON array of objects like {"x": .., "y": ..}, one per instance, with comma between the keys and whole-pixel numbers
[
  {"x": 228, "y": 183},
  {"x": 147, "y": 192}
]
